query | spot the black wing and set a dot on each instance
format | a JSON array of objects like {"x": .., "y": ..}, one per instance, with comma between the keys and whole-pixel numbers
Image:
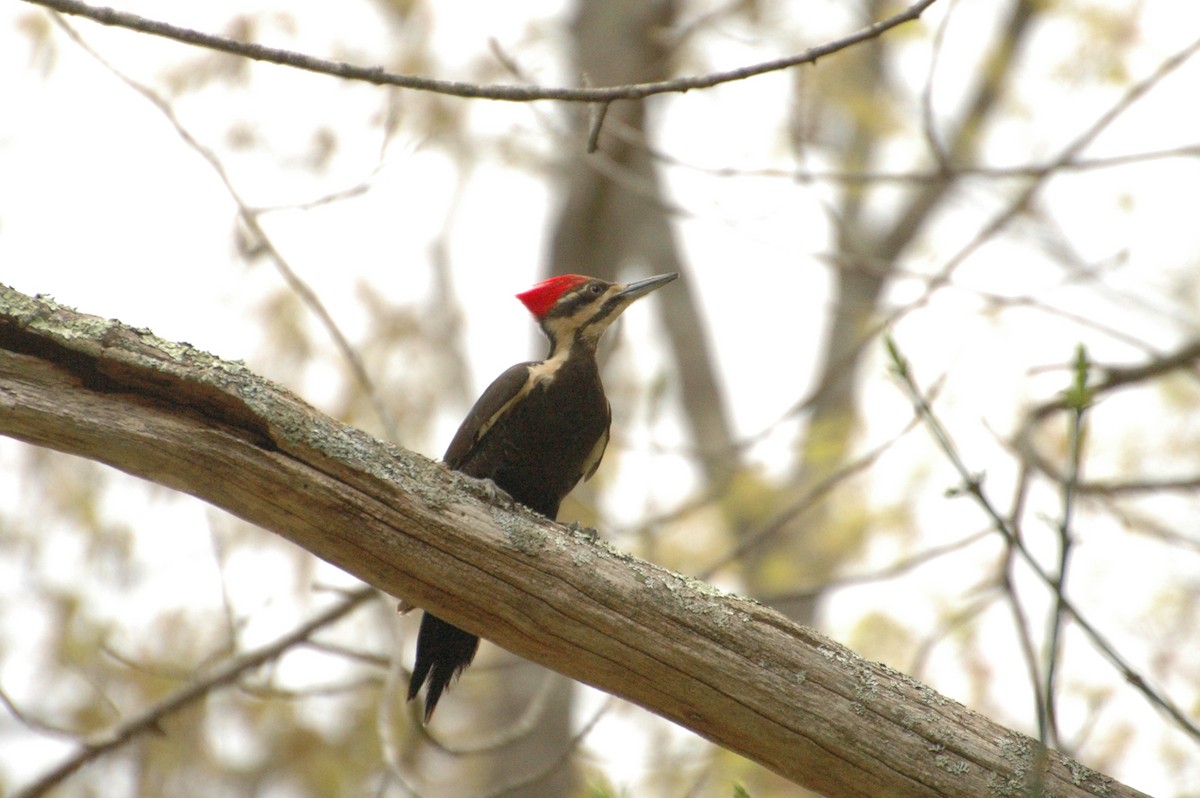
[
  {"x": 499, "y": 397},
  {"x": 593, "y": 460},
  {"x": 444, "y": 650}
]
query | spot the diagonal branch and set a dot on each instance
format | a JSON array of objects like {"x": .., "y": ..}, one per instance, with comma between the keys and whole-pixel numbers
[
  {"x": 229, "y": 672},
  {"x": 973, "y": 486},
  {"x": 378, "y": 76},
  {"x": 727, "y": 668},
  {"x": 250, "y": 218}
]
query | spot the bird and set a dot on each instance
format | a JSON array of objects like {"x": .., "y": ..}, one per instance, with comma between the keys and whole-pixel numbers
[{"x": 537, "y": 430}]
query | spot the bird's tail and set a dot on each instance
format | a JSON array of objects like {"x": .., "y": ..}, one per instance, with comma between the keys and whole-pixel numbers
[{"x": 443, "y": 653}]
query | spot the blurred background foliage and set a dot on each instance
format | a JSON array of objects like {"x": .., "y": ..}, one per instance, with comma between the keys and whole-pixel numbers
[{"x": 957, "y": 183}]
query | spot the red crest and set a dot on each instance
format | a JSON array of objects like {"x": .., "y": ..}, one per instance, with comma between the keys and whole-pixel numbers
[{"x": 542, "y": 296}]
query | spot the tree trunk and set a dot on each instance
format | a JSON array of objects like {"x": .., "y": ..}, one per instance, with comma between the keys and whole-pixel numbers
[
  {"x": 869, "y": 250},
  {"x": 615, "y": 212}
]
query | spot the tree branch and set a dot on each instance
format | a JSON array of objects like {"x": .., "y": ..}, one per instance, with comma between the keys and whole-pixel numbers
[
  {"x": 973, "y": 486},
  {"x": 151, "y": 718},
  {"x": 725, "y": 667},
  {"x": 378, "y": 76}
]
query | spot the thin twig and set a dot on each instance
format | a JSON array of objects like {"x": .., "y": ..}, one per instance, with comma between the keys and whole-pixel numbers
[
  {"x": 928, "y": 117},
  {"x": 779, "y": 523},
  {"x": 391, "y": 746},
  {"x": 945, "y": 627},
  {"x": 1186, "y": 357},
  {"x": 249, "y": 216},
  {"x": 1078, "y": 398},
  {"x": 1072, "y": 151},
  {"x": 1039, "y": 176},
  {"x": 152, "y": 717},
  {"x": 1020, "y": 621},
  {"x": 635, "y": 137},
  {"x": 599, "y": 111},
  {"x": 379, "y": 76},
  {"x": 973, "y": 486},
  {"x": 524, "y": 726},
  {"x": 1020, "y": 204},
  {"x": 26, "y": 719},
  {"x": 548, "y": 768},
  {"x": 890, "y": 571}
]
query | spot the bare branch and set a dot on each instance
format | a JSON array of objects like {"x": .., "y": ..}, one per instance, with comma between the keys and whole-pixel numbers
[
  {"x": 151, "y": 719},
  {"x": 973, "y": 486},
  {"x": 752, "y": 540},
  {"x": 1024, "y": 199},
  {"x": 546, "y": 769},
  {"x": 803, "y": 174},
  {"x": 508, "y": 93},
  {"x": 36, "y": 724},
  {"x": 250, "y": 217},
  {"x": 896, "y": 569},
  {"x": 1078, "y": 397}
]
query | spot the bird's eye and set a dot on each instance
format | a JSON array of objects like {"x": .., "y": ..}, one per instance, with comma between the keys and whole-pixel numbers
[{"x": 596, "y": 289}]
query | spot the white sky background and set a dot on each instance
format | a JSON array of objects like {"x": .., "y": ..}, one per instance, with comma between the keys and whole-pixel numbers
[{"x": 103, "y": 207}]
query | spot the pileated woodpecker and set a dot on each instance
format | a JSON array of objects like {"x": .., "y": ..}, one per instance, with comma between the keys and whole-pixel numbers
[{"x": 535, "y": 432}]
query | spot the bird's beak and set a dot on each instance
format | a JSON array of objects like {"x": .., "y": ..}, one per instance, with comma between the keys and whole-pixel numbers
[{"x": 640, "y": 288}]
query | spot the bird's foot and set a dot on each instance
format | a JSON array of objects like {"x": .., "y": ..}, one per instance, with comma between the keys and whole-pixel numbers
[
  {"x": 492, "y": 493},
  {"x": 591, "y": 533}
]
